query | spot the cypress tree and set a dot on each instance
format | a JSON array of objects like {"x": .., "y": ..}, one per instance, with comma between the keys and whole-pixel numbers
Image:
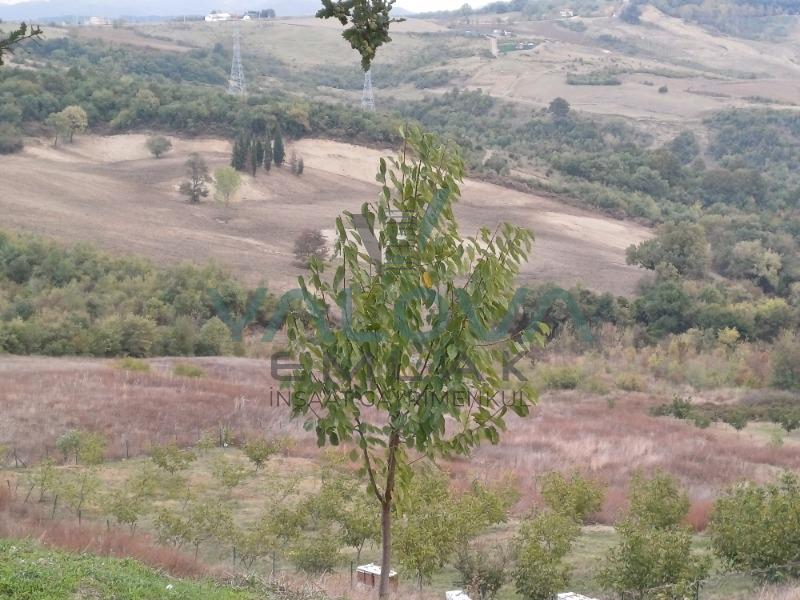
[
  {"x": 253, "y": 158},
  {"x": 260, "y": 153},
  {"x": 278, "y": 152},
  {"x": 267, "y": 154}
]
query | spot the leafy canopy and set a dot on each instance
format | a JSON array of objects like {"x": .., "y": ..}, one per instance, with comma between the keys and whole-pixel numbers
[{"x": 404, "y": 267}]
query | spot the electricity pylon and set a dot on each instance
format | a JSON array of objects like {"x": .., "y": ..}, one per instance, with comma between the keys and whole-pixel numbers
[
  {"x": 236, "y": 85},
  {"x": 367, "y": 97}
]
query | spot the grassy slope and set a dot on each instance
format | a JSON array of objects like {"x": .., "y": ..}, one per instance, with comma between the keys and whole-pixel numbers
[{"x": 28, "y": 571}]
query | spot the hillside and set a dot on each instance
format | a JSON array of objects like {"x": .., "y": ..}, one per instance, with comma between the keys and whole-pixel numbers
[{"x": 108, "y": 190}]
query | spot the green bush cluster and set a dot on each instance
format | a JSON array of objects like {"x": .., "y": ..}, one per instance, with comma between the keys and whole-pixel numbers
[{"x": 78, "y": 301}]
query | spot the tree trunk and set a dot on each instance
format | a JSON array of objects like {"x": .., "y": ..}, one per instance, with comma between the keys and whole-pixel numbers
[{"x": 386, "y": 518}]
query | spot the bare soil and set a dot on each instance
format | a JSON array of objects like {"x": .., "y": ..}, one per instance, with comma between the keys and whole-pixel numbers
[{"x": 109, "y": 191}]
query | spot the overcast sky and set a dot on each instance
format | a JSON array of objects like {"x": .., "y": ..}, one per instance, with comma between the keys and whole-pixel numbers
[{"x": 413, "y": 5}]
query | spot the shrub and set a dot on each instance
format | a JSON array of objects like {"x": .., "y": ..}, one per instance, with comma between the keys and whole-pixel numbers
[
  {"x": 540, "y": 547},
  {"x": 576, "y": 497},
  {"x": 663, "y": 89},
  {"x": 10, "y": 140},
  {"x": 655, "y": 549},
  {"x": 259, "y": 451},
  {"x": 481, "y": 573},
  {"x": 171, "y": 458},
  {"x": 133, "y": 364},
  {"x": 630, "y": 382},
  {"x": 758, "y": 527},
  {"x": 158, "y": 145},
  {"x": 318, "y": 554},
  {"x": 214, "y": 339},
  {"x": 188, "y": 370},
  {"x": 560, "y": 377},
  {"x": 657, "y": 502},
  {"x": 785, "y": 360},
  {"x": 310, "y": 244}
]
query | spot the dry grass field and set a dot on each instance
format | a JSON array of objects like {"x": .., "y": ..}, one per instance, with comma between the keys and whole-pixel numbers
[
  {"x": 609, "y": 436},
  {"x": 109, "y": 191}
]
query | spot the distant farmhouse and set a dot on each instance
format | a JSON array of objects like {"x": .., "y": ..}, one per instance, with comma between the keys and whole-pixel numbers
[
  {"x": 98, "y": 21},
  {"x": 216, "y": 16}
]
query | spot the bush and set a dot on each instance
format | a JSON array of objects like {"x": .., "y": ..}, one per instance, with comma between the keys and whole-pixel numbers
[
  {"x": 188, "y": 370},
  {"x": 133, "y": 364},
  {"x": 657, "y": 502},
  {"x": 310, "y": 244},
  {"x": 214, "y": 339},
  {"x": 576, "y": 497},
  {"x": 560, "y": 377},
  {"x": 10, "y": 140},
  {"x": 758, "y": 527},
  {"x": 318, "y": 554},
  {"x": 785, "y": 361},
  {"x": 655, "y": 548},
  {"x": 171, "y": 458},
  {"x": 630, "y": 382},
  {"x": 158, "y": 145},
  {"x": 540, "y": 547},
  {"x": 481, "y": 573}
]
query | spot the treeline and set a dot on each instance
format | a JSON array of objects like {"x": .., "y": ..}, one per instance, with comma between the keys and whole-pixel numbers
[
  {"x": 78, "y": 301},
  {"x": 123, "y": 89},
  {"x": 743, "y": 18}
]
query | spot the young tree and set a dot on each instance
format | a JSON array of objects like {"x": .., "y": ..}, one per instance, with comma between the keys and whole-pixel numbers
[
  {"x": 72, "y": 120},
  {"x": 300, "y": 166},
  {"x": 421, "y": 273},
  {"x": 681, "y": 245},
  {"x": 758, "y": 527},
  {"x": 59, "y": 125},
  {"x": 434, "y": 521},
  {"x": 481, "y": 572},
  {"x": 576, "y": 497},
  {"x": 197, "y": 170},
  {"x": 655, "y": 548},
  {"x": 171, "y": 458},
  {"x": 259, "y": 452},
  {"x": 293, "y": 162},
  {"x": 256, "y": 156},
  {"x": 311, "y": 244},
  {"x": 228, "y": 473},
  {"x": 158, "y": 145},
  {"x": 227, "y": 181},
  {"x": 79, "y": 487},
  {"x": 540, "y": 547},
  {"x": 278, "y": 151},
  {"x": 559, "y": 108}
]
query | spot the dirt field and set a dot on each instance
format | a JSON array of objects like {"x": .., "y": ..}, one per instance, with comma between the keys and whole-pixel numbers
[{"x": 109, "y": 191}]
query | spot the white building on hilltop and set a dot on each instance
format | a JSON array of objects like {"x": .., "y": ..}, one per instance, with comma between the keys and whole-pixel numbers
[{"x": 218, "y": 16}]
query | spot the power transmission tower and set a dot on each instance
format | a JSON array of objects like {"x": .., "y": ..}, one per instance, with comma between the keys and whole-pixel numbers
[
  {"x": 367, "y": 97},
  {"x": 236, "y": 85}
]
